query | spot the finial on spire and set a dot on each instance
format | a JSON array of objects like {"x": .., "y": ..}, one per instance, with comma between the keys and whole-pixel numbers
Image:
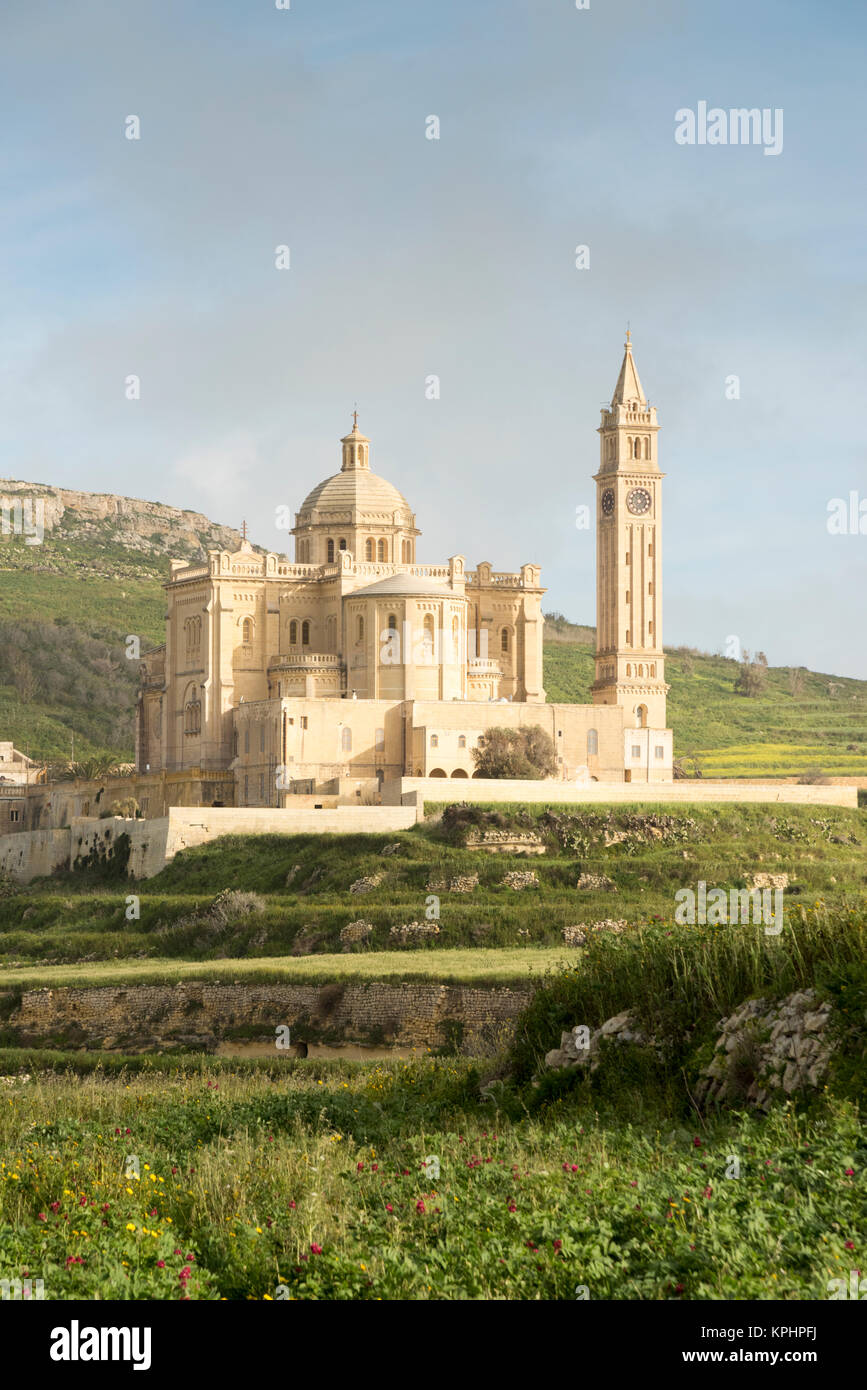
[
  {"x": 628, "y": 343},
  {"x": 355, "y": 417},
  {"x": 243, "y": 530}
]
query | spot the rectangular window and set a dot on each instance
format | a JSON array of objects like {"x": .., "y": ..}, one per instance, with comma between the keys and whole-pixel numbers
[
  {"x": 660, "y": 751},
  {"x": 303, "y": 721},
  {"x": 380, "y": 740},
  {"x": 636, "y": 750},
  {"x": 14, "y": 814}
]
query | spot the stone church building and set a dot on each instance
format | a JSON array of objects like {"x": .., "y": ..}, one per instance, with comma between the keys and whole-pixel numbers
[{"x": 353, "y": 666}]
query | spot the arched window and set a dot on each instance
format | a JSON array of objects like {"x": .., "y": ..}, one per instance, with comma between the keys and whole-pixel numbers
[
  {"x": 628, "y": 669},
  {"x": 383, "y": 550},
  {"x": 462, "y": 741},
  {"x": 592, "y": 742},
  {"x": 653, "y": 668},
  {"x": 428, "y": 638},
  {"x": 434, "y": 741},
  {"x": 647, "y": 447},
  {"x": 407, "y": 552},
  {"x": 504, "y": 639},
  {"x": 369, "y": 549},
  {"x": 346, "y": 739},
  {"x": 641, "y": 716},
  {"x": 342, "y": 543},
  {"x": 247, "y": 631},
  {"x": 392, "y": 622},
  {"x": 293, "y": 632},
  {"x": 305, "y": 633},
  {"x": 330, "y": 552},
  {"x": 359, "y": 629}
]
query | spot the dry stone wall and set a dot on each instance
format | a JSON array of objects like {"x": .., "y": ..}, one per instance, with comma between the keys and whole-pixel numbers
[{"x": 201, "y": 1015}]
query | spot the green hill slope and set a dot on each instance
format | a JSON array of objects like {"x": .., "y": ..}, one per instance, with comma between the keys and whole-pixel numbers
[{"x": 820, "y": 731}]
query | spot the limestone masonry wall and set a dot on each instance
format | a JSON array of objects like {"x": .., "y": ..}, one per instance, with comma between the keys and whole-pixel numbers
[
  {"x": 507, "y": 789},
  {"x": 198, "y": 1015}
]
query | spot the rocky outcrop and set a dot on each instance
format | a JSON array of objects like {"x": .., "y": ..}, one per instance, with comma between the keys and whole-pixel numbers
[
  {"x": 580, "y": 1047},
  {"x": 152, "y": 528},
  {"x": 519, "y": 879},
  {"x": 765, "y": 1048},
  {"x": 596, "y": 883},
  {"x": 506, "y": 842},
  {"x": 580, "y": 934}
]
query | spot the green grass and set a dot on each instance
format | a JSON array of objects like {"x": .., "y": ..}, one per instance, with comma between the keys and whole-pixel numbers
[
  {"x": 322, "y": 1188},
  {"x": 80, "y": 919},
  {"x": 463, "y": 967}
]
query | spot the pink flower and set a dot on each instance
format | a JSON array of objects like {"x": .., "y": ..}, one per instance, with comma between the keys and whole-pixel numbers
[
  {"x": 42, "y": 1216},
  {"x": 850, "y": 1172},
  {"x": 374, "y": 1167},
  {"x": 359, "y": 1167},
  {"x": 55, "y": 1206},
  {"x": 161, "y": 1264},
  {"x": 420, "y": 1207},
  {"x": 389, "y": 1207},
  {"x": 512, "y": 1207},
  {"x": 558, "y": 1244},
  {"x": 292, "y": 1205},
  {"x": 316, "y": 1250},
  {"x": 850, "y": 1245},
  {"x": 696, "y": 1143}
]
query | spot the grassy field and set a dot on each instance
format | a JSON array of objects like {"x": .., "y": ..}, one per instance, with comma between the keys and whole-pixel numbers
[
  {"x": 189, "y": 1177},
  {"x": 302, "y": 900}
]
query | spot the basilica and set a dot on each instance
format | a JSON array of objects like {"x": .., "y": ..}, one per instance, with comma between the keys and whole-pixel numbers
[{"x": 354, "y": 667}]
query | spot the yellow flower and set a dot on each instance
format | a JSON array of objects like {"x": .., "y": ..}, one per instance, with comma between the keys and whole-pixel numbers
[{"x": 130, "y": 1226}]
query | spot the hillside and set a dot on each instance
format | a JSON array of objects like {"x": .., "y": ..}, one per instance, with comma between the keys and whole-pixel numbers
[
  {"x": 67, "y": 606},
  {"x": 819, "y": 731}
]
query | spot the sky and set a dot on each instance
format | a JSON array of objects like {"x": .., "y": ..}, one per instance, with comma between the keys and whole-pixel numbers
[{"x": 454, "y": 257}]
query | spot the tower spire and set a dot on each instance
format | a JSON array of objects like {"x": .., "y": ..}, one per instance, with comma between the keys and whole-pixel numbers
[{"x": 628, "y": 386}]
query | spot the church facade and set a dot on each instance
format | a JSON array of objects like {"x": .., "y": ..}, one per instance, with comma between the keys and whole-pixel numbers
[{"x": 354, "y": 666}]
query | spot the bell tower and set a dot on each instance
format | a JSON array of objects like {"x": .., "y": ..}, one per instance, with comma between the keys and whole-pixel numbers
[{"x": 630, "y": 666}]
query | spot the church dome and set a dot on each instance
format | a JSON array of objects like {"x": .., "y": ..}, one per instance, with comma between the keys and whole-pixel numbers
[
  {"x": 364, "y": 494},
  {"x": 355, "y": 510}
]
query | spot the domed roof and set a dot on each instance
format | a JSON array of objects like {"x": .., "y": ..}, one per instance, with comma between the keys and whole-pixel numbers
[
  {"x": 355, "y": 494},
  {"x": 356, "y": 490}
]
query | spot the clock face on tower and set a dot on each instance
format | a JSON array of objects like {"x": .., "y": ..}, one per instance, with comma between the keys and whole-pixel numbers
[
  {"x": 608, "y": 501},
  {"x": 639, "y": 501}
]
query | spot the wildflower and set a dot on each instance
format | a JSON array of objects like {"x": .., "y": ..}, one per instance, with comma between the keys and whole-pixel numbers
[
  {"x": 316, "y": 1249},
  {"x": 420, "y": 1207},
  {"x": 161, "y": 1264},
  {"x": 130, "y": 1226},
  {"x": 850, "y": 1245},
  {"x": 389, "y": 1208}
]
